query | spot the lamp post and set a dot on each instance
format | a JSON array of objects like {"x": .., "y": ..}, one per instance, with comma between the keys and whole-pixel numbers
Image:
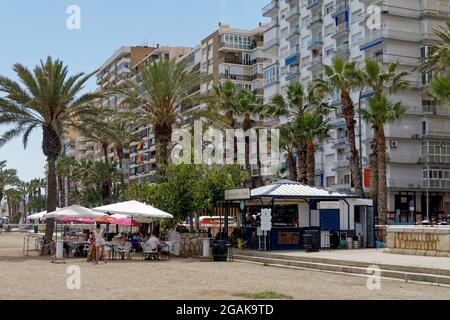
[{"x": 428, "y": 181}]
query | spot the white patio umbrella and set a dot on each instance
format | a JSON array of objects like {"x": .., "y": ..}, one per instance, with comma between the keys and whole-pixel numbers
[
  {"x": 74, "y": 211},
  {"x": 134, "y": 209},
  {"x": 38, "y": 216}
]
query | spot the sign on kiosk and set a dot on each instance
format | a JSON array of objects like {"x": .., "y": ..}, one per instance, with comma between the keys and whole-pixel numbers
[{"x": 237, "y": 194}]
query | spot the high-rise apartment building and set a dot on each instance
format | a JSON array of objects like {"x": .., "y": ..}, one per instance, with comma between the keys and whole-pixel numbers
[
  {"x": 112, "y": 72},
  {"x": 305, "y": 34},
  {"x": 227, "y": 54}
]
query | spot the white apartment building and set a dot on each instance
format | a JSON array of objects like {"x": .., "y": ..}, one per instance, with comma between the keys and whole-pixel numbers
[
  {"x": 227, "y": 54},
  {"x": 305, "y": 34}
]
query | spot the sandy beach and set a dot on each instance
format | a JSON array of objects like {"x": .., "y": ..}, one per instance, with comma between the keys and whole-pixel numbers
[{"x": 35, "y": 277}]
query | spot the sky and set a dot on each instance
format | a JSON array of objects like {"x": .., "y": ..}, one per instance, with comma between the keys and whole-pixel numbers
[{"x": 31, "y": 30}]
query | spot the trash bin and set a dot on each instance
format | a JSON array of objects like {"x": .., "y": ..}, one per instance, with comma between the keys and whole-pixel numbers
[
  {"x": 311, "y": 240},
  {"x": 60, "y": 249},
  {"x": 219, "y": 250},
  {"x": 206, "y": 246}
]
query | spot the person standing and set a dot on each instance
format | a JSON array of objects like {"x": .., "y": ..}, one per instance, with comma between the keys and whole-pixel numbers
[{"x": 99, "y": 245}]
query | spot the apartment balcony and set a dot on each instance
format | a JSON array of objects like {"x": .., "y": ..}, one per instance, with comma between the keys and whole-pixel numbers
[
  {"x": 405, "y": 184},
  {"x": 340, "y": 142},
  {"x": 341, "y": 30},
  {"x": 293, "y": 57},
  {"x": 437, "y": 127},
  {"x": 341, "y": 186},
  {"x": 436, "y": 110},
  {"x": 291, "y": 72},
  {"x": 377, "y": 37},
  {"x": 292, "y": 2},
  {"x": 237, "y": 77},
  {"x": 294, "y": 33},
  {"x": 271, "y": 44},
  {"x": 313, "y": 3},
  {"x": 403, "y": 158},
  {"x": 315, "y": 22},
  {"x": 275, "y": 23},
  {"x": 402, "y": 60},
  {"x": 421, "y": 184},
  {"x": 341, "y": 164},
  {"x": 342, "y": 51},
  {"x": 434, "y": 12},
  {"x": 340, "y": 8},
  {"x": 315, "y": 43},
  {"x": 239, "y": 61},
  {"x": 235, "y": 47},
  {"x": 271, "y": 9},
  {"x": 293, "y": 14},
  {"x": 315, "y": 62}
]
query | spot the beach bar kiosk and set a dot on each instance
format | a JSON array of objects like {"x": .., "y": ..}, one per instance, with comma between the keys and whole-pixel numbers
[{"x": 276, "y": 217}]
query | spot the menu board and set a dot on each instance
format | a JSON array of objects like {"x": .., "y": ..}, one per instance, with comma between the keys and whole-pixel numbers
[{"x": 175, "y": 239}]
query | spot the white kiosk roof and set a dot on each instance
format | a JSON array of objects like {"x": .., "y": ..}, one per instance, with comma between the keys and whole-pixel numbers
[{"x": 293, "y": 189}]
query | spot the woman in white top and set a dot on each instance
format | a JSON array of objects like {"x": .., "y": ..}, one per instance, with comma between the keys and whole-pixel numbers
[{"x": 99, "y": 244}]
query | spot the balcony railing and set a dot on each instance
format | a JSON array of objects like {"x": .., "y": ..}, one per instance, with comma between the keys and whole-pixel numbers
[
  {"x": 340, "y": 6},
  {"x": 315, "y": 41},
  {"x": 390, "y": 34},
  {"x": 312, "y": 3},
  {"x": 271, "y": 43},
  {"x": 268, "y": 9},
  {"x": 315, "y": 20},
  {"x": 292, "y": 13},
  {"x": 315, "y": 62}
]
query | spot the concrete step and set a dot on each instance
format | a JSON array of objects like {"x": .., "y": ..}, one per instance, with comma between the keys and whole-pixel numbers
[
  {"x": 362, "y": 264},
  {"x": 349, "y": 268}
]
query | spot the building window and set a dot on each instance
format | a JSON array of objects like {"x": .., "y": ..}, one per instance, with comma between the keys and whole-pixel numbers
[{"x": 271, "y": 75}]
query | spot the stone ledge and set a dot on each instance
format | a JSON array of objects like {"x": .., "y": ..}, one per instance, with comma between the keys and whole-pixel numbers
[{"x": 430, "y": 253}]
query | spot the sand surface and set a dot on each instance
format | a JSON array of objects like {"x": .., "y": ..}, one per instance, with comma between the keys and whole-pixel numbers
[{"x": 35, "y": 277}]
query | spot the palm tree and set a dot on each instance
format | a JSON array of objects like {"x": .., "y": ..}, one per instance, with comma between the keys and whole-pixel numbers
[
  {"x": 287, "y": 141},
  {"x": 64, "y": 167},
  {"x": 13, "y": 198},
  {"x": 380, "y": 81},
  {"x": 440, "y": 89},
  {"x": 344, "y": 77},
  {"x": 46, "y": 98},
  {"x": 311, "y": 127},
  {"x": 164, "y": 86},
  {"x": 297, "y": 103},
  {"x": 438, "y": 58},
  {"x": 8, "y": 177},
  {"x": 379, "y": 112}
]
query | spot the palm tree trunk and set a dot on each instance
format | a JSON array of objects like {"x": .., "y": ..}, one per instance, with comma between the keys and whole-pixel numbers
[
  {"x": 163, "y": 136},
  {"x": 51, "y": 202},
  {"x": 301, "y": 162},
  {"x": 51, "y": 147},
  {"x": 61, "y": 192},
  {"x": 310, "y": 163},
  {"x": 292, "y": 167},
  {"x": 374, "y": 169},
  {"x": 382, "y": 185},
  {"x": 349, "y": 116},
  {"x": 247, "y": 126}
]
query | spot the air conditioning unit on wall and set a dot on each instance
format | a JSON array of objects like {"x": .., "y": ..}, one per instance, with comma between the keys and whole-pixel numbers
[{"x": 394, "y": 144}]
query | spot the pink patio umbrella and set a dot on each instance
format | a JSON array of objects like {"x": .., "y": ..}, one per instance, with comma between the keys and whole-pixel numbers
[
  {"x": 128, "y": 222},
  {"x": 76, "y": 219}
]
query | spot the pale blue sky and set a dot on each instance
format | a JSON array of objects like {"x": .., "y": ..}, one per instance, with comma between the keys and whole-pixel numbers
[{"x": 30, "y": 30}]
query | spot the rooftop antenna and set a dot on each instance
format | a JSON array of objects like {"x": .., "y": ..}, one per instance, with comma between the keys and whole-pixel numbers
[{"x": 145, "y": 42}]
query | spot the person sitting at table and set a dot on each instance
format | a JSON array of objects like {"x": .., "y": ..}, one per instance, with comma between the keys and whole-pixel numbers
[
  {"x": 121, "y": 243},
  {"x": 153, "y": 244}
]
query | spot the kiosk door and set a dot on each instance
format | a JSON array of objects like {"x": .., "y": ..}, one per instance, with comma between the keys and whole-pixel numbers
[{"x": 329, "y": 220}]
